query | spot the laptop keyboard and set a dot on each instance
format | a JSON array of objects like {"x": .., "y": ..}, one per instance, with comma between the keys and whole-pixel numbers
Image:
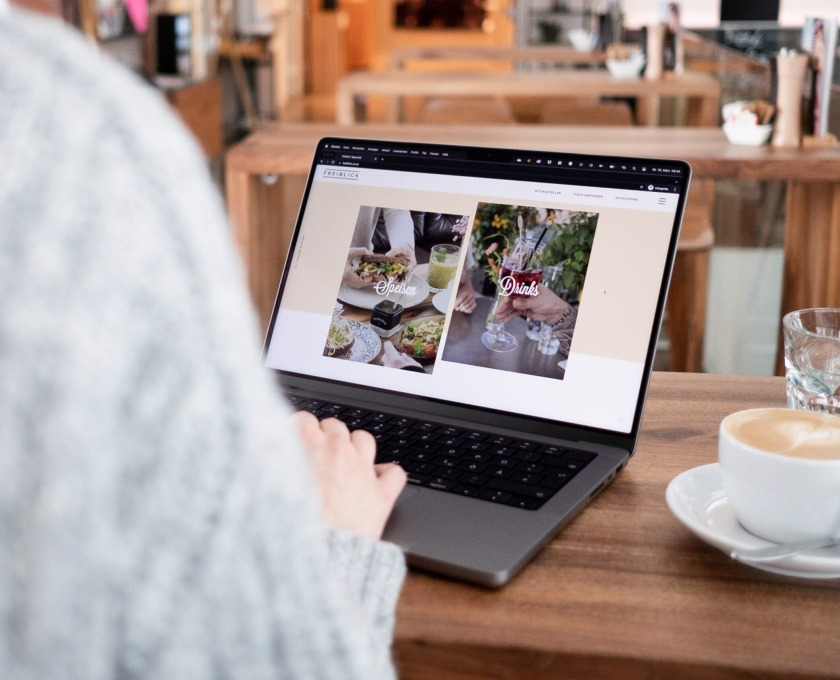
[{"x": 463, "y": 461}]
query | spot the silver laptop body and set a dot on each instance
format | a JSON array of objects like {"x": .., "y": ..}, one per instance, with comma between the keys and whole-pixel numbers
[{"x": 367, "y": 318}]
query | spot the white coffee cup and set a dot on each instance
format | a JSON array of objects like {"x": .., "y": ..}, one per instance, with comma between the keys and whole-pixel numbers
[{"x": 781, "y": 472}]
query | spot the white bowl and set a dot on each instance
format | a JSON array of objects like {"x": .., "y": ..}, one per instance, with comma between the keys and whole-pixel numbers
[
  {"x": 746, "y": 134},
  {"x": 732, "y": 110},
  {"x": 583, "y": 41},
  {"x": 624, "y": 69}
]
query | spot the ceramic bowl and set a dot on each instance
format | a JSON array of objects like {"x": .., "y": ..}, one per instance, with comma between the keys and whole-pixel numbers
[
  {"x": 746, "y": 134},
  {"x": 583, "y": 41},
  {"x": 624, "y": 69}
]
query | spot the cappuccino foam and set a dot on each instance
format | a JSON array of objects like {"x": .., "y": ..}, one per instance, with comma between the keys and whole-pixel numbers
[{"x": 788, "y": 432}]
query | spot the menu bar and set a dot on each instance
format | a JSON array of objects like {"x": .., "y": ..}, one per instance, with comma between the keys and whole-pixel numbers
[{"x": 602, "y": 171}]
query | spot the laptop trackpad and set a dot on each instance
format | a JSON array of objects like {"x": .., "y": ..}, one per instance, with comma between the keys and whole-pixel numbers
[
  {"x": 407, "y": 493},
  {"x": 465, "y": 537}
]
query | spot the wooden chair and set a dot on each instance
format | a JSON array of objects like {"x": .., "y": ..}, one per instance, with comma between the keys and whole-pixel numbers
[
  {"x": 685, "y": 310},
  {"x": 467, "y": 110},
  {"x": 577, "y": 112}
]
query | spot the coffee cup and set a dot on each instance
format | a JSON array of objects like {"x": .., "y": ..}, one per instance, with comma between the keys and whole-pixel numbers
[{"x": 781, "y": 472}]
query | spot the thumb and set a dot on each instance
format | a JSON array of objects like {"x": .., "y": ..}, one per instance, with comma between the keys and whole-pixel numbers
[{"x": 392, "y": 480}]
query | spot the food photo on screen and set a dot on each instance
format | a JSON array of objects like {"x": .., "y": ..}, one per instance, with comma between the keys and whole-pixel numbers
[{"x": 400, "y": 274}]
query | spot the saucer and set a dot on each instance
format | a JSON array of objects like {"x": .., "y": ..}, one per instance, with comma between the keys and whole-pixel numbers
[
  {"x": 697, "y": 499},
  {"x": 441, "y": 300}
]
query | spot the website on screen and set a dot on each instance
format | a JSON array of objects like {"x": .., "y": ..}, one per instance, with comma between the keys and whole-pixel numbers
[{"x": 496, "y": 291}]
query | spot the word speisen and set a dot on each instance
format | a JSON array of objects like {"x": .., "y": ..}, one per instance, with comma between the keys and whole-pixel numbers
[{"x": 387, "y": 287}]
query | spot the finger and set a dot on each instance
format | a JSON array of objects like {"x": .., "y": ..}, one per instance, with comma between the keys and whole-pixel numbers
[
  {"x": 392, "y": 479},
  {"x": 306, "y": 423},
  {"x": 365, "y": 443},
  {"x": 301, "y": 417},
  {"x": 334, "y": 427},
  {"x": 358, "y": 251},
  {"x": 382, "y": 468},
  {"x": 467, "y": 304}
]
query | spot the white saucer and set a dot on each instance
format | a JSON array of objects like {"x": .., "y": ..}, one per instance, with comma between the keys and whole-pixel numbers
[
  {"x": 441, "y": 300},
  {"x": 698, "y": 500}
]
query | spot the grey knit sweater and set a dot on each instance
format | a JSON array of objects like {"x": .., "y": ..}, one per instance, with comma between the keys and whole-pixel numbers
[{"x": 157, "y": 514}]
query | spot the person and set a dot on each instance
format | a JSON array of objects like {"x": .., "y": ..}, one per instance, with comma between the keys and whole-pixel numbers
[
  {"x": 395, "y": 224},
  {"x": 162, "y": 512}
]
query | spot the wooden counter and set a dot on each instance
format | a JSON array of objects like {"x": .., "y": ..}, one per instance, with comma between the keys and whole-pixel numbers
[
  {"x": 554, "y": 55},
  {"x": 626, "y": 591},
  {"x": 701, "y": 90},
  {"x": 264, "y": 216}
]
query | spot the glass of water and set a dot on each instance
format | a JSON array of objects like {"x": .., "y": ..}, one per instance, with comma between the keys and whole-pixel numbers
[{"x": 812, "y": 359}]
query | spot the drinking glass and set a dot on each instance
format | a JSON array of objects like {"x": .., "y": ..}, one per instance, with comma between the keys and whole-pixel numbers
[
  {"x": 812, "y": 359},
  {"x": 519, "y": 277},
  {"x": 443, "y": 263}
]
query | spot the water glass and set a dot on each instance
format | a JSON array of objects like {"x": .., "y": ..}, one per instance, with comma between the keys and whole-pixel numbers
[
  {"x": 812, "y": 359},
  {"x": 547, "y": 343},
  {"x": 532, "y": 329}
]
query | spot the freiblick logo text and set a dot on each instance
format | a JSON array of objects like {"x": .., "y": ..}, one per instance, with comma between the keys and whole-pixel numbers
[{"x": 342, "y": 174}]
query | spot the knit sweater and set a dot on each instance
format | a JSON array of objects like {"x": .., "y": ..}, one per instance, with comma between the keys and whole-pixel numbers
[{"x": 158, "y": 517}]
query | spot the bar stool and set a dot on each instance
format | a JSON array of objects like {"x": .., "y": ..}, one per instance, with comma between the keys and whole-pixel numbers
[{"x": 685, "y": 309}]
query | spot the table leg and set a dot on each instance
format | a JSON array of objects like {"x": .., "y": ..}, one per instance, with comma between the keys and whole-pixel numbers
[
  {"x": 393, "y": 109},
  {"x": 703, "y": 111},
  {"x": 240, "y": 208},
  {"x": 811, "y": 276},
  {"x": 263, "y": 212},
  {"x": 345, "y": 106},
  {"x": 647, "y": 110}
]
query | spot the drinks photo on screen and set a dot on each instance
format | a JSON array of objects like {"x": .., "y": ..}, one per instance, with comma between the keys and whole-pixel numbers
[{"x": 529, "y": 271}]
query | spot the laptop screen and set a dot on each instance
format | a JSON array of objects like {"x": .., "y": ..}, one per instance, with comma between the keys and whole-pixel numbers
[{"x": 513, "y": 282}]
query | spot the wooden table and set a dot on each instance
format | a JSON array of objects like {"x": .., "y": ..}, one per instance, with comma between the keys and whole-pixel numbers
[
  {"x": 554, "y": 55},
  {"x": 701, "y": 90},
  {"x": 263, "y": 215},
  {"x": 626, "y": 591}
]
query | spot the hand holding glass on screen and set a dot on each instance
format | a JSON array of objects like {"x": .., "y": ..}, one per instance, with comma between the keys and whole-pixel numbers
[{"x": 519, "y": 277}]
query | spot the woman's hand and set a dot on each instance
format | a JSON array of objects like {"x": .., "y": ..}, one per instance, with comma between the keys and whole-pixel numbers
[
  {"x": 405, "y": 251},
  {"x": 356, "y": 495}
]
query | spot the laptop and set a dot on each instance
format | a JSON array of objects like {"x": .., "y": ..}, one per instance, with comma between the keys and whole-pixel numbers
[{"x": 491, "y": 316}]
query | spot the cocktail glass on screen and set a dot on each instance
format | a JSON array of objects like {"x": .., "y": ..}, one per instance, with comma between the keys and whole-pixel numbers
[{"x": 519, "y": 277}]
